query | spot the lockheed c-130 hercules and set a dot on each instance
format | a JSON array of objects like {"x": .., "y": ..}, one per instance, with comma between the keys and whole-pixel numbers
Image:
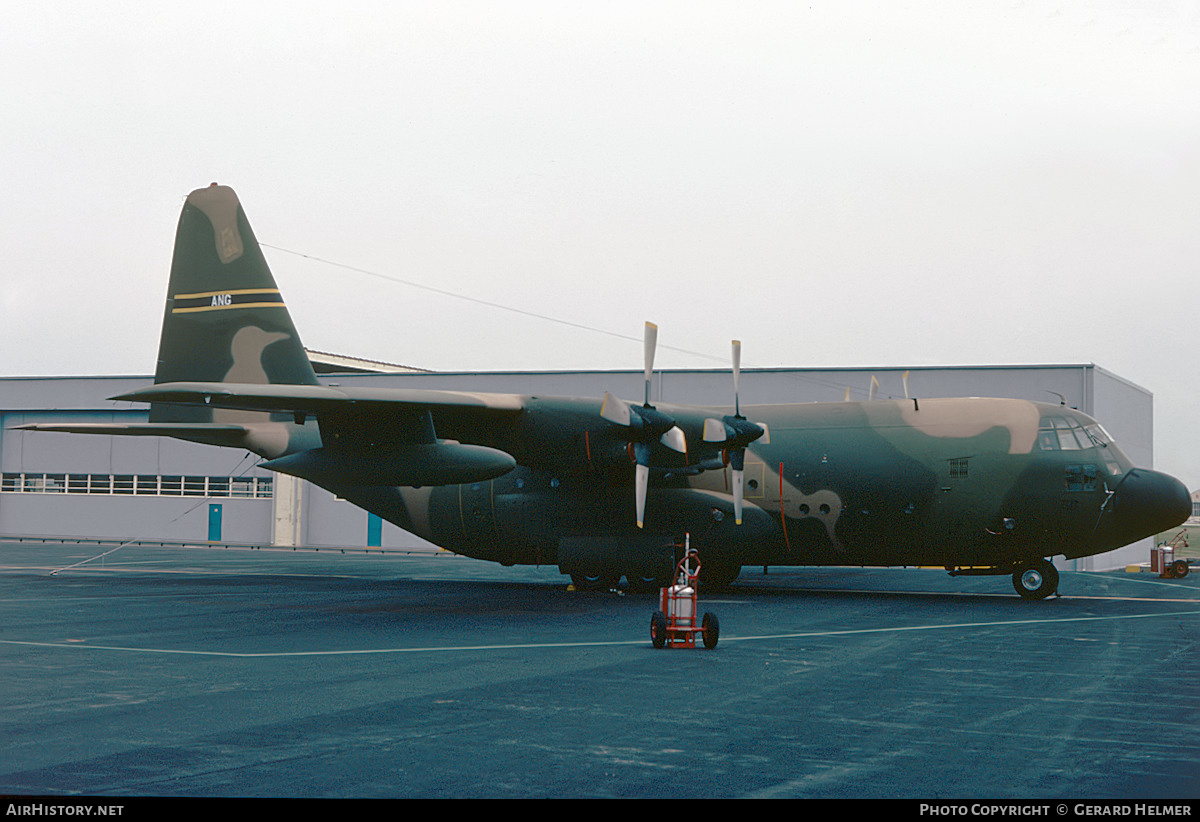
[{"x": 606, "y": 488}]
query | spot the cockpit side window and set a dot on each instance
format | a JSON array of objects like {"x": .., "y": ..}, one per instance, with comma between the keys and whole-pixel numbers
[{"x": 1097, "y": 434}]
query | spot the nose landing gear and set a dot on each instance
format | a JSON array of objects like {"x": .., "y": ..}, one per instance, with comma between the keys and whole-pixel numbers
[{"x": 1037, "y": 579}]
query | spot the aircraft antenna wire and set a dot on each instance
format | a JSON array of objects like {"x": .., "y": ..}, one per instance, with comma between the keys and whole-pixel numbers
[
  {"x": 460, "y": 296},
  {"x": 524, "y": 312},
  {"x": 132, "y": 540}
]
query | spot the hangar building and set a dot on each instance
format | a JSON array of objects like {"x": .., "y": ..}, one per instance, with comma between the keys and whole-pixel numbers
[{"x": 163, "y": 490}]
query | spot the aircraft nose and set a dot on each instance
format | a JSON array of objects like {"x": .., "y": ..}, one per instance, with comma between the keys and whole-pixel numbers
[{"x": 1149, "y": 502}]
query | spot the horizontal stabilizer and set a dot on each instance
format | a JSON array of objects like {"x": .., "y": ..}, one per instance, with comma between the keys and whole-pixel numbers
[{"x": 209, "y": 433}]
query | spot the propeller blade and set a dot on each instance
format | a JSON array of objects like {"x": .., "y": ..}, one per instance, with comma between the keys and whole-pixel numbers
[
  {"x": 905, "y": 380},
  {"x": 737, "y": 461},
  {"x": 846, "y": 396},
  {"x": 675, "y": 439},
  {"x": 641, "y": 480},
  {"x": 649, "y": 343},
  {"x": 714, "y": 430},
  {"x": 874, "y": 388},
  {"x": 615, "y": 410},
  {"x": 737, "y": 371},
  {"x": 739, "y": 478}
]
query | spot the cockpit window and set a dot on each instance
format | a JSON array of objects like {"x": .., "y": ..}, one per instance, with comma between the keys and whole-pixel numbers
[
  {"x": 1067, "y": 434},
  {"x": 1063, "y": 433}
]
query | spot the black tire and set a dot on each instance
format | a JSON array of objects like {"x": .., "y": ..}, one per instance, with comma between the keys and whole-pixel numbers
[
  {"x": 1180, "y": 568},
  {"x": 711, "y": 630},
  {"x": 1036, "y": 580},
  {"x": 594, "y": 582},
  {"x": 644, "y": 584},
  {"x": 658, "y": 629}
]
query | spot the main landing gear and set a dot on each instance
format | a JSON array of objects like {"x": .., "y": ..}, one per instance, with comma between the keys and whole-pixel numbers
[{"x": 1036, "y": 579}]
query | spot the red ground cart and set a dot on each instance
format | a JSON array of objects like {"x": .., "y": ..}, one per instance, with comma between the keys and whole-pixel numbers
[
  {"x": 674, "y": 624},
  {"x": 1162, "y": 558}
]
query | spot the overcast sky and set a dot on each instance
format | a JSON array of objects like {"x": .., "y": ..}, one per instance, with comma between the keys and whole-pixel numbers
[{"x": 835, "y": 183}]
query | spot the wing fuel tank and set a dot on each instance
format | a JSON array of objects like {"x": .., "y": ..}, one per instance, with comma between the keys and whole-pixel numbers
[{"x": 443, "y": 463}]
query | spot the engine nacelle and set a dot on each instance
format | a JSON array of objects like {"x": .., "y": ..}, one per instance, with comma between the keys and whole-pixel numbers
[{"x": 442, "y": 463}]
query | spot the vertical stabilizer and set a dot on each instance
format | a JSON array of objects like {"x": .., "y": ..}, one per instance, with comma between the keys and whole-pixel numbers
[{"x": 225, "y": 320}]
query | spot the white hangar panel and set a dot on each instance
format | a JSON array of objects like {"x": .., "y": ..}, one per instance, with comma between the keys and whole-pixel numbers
[
  {"x": 1127, "y": 412},
  {"x": 141, "y": 518}
]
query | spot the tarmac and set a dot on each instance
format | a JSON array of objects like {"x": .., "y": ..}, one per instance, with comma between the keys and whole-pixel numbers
[{"x": 209, "y": 672}]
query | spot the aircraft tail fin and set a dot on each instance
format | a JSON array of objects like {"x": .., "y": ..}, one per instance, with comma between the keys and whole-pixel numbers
[{"x": 225, "y": 320}]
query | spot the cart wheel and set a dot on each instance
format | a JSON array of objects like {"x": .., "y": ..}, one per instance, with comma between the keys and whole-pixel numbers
[
  {"x": 711, "y": 628},
  {"x": 658, "y": 629},
  {"x": 1180, "y": 568}
]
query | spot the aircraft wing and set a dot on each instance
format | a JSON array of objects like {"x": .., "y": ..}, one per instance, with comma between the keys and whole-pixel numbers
[{"x": 322, "y": 400}]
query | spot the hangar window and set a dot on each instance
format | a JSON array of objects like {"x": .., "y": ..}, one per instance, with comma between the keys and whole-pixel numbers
[
  {"x": 142, "y": 485},
  {"x": 242, "y": 486}
]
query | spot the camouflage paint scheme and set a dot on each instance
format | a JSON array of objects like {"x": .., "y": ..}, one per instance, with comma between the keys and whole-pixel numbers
[{"x": 994, "y": 485}]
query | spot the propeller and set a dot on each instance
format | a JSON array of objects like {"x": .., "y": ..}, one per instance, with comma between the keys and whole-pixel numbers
[
  {"x": 644, "y": 426},
  {"x": 735, "y": 432}
]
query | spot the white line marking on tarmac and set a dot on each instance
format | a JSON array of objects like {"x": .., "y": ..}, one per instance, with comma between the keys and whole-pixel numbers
[{"x": 547, "y": 645}]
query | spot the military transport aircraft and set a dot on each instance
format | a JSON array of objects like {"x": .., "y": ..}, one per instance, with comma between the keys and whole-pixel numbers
[{"x": 607, "y": 488}]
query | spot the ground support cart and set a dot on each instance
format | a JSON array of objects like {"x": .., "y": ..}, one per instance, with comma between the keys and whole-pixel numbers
[
  {"x": 674, "y": 624},
  {"x": 1162, "y": 558}
]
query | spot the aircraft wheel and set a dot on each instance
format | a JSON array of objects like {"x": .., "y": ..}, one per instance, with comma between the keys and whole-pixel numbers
[
  {"x": 594, "y": 582},
  {"x": 1036, "y": 580},
  {"x": 658, "y": 629},
  {"x": 1180, "y": 568},
  {"x": 711, "y": 628},
  {"x": 641, "y": 583}
]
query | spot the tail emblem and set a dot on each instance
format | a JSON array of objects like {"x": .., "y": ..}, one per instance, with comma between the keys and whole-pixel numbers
[{"x": 221, "y": 300}]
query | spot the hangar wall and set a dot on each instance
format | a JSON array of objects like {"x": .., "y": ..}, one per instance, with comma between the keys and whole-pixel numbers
[{"x": 64, "y": 485}]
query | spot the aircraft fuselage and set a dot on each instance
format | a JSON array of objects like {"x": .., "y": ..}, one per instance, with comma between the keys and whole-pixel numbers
[{"x": 955, "y": 482}]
